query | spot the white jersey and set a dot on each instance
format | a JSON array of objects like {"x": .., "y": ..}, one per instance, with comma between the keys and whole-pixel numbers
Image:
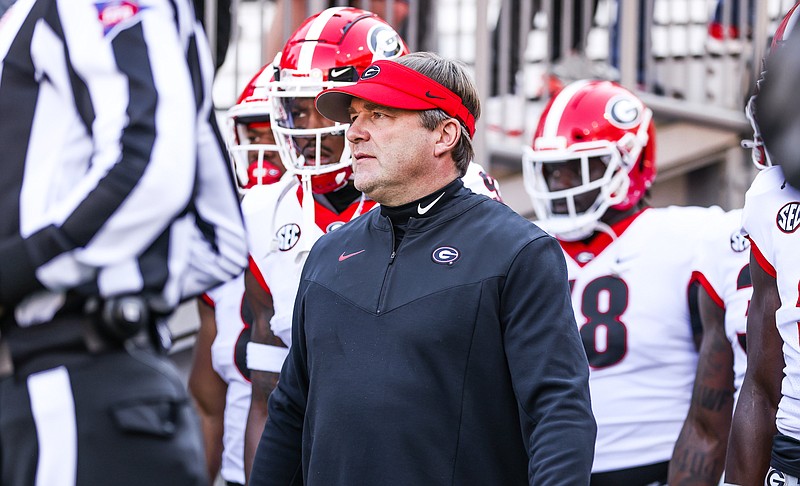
[
  {"x": 630, "y": 301},
  {"x": 723, "y": 269},
  {"x": 771, "y": 218},
  {"x": 228, "y": 360},
  {"x": 279, "y": 243},
  {"x": 478, "y": 181}
]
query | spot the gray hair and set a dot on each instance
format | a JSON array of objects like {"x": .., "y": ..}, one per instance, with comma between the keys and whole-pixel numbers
[{"x": 453, "y": 76}]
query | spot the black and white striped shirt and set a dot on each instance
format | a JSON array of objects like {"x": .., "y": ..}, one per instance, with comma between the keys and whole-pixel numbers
[{"x": 114, "y": 180}]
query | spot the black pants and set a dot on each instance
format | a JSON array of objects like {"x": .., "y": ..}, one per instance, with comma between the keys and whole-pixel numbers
[{"x": 116, "y": 417}]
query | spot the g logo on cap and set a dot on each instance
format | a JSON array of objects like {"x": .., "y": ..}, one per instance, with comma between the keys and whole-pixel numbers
[{"x": 371, "y": 72}]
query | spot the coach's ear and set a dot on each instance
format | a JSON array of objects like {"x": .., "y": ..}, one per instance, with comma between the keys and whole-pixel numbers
[{"x": 449, "y": 133}]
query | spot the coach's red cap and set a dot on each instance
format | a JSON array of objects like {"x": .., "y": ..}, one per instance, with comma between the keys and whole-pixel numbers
[{"x": 389, "y": 83}]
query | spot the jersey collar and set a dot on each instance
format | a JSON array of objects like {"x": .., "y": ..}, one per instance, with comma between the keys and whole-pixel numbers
[{"x": 584, "y": 251}]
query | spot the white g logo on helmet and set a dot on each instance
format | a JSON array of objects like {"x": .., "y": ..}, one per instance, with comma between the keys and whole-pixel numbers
[
  {"x": 623, "y": 112},
  {"x": 384, "y": 42}
]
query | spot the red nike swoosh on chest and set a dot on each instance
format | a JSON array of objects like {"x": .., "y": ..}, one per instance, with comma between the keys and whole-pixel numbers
[{"x": 344, "y": 256}]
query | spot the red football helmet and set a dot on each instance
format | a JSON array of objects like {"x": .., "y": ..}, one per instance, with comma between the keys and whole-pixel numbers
[
  {"x": 597, "y": 125},
  {"x": 758, "y": 152},
  {"x": 251, "y": 143},
  {"x": 329, "y": 49}
]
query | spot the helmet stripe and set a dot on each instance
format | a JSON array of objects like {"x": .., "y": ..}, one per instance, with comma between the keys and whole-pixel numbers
[
  {"x": 314, "y": 32},
  {"x": 559, "y": 105},
  {"x": 787, "y": 25}
]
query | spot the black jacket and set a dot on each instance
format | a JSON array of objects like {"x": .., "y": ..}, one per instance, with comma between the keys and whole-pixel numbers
[{"x": 455, "y": 360}]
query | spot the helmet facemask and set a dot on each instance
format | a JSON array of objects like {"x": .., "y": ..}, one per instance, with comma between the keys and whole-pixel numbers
[
  {"x": 254, "y": 155},
  {"x": 571, "y": 213},
  {"x": 307, "y": 148},
  {"x": 593, "y": 150}
]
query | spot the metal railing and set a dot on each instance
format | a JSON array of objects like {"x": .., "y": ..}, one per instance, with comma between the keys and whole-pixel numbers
[{"x": 672, "y": 52}]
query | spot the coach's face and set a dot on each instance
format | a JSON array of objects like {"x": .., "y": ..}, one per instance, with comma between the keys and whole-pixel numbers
[{"x": 392, "y": 152}]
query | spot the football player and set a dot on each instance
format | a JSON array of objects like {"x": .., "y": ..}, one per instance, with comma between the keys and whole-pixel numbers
[
  {"x": 250, "y": 140},
  {"x": 219, "y": 380},
  {"x": 724, "y": 302},
  {"x": 630, "y": 268},
  {"x": 764, "y": 444},
  {"x": 316, "y": 195}
]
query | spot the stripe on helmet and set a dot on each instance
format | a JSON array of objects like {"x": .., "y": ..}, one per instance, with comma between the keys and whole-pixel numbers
[
  {"x": 787, "y": 25},
  {"x": 563, "y": 98},
  {"x": 314, "y": 32}
]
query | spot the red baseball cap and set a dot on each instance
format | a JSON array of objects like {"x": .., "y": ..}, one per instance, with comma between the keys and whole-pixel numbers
[{"x": 389, "y": 83}]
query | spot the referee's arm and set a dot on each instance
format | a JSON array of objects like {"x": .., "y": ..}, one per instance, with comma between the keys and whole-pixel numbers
[{"x": 220, "y": 251}]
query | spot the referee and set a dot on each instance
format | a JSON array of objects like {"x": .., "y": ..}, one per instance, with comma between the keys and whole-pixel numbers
[{"x": 116, "y": 204}]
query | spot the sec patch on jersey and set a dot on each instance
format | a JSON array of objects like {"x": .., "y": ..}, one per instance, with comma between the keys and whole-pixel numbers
[{"x": 788, "y": 218}]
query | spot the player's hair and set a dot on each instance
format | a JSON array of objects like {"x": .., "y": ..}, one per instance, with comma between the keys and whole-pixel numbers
[{"x": 453, "y": 76}]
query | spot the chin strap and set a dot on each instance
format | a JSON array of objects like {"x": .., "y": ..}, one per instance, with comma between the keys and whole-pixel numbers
[
  {"x": 578, "y": 234},
  {"x": 604, "y": 228},
  {"x": 360, "y": 207},
  {"x": 308, "y": 217}
]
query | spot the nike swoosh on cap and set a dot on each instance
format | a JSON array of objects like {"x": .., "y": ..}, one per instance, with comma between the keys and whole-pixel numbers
[
  {"x": 431, "y": 95},
  {"x": 344, "y": 256},
  {"x": 424, "y": 209}
]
